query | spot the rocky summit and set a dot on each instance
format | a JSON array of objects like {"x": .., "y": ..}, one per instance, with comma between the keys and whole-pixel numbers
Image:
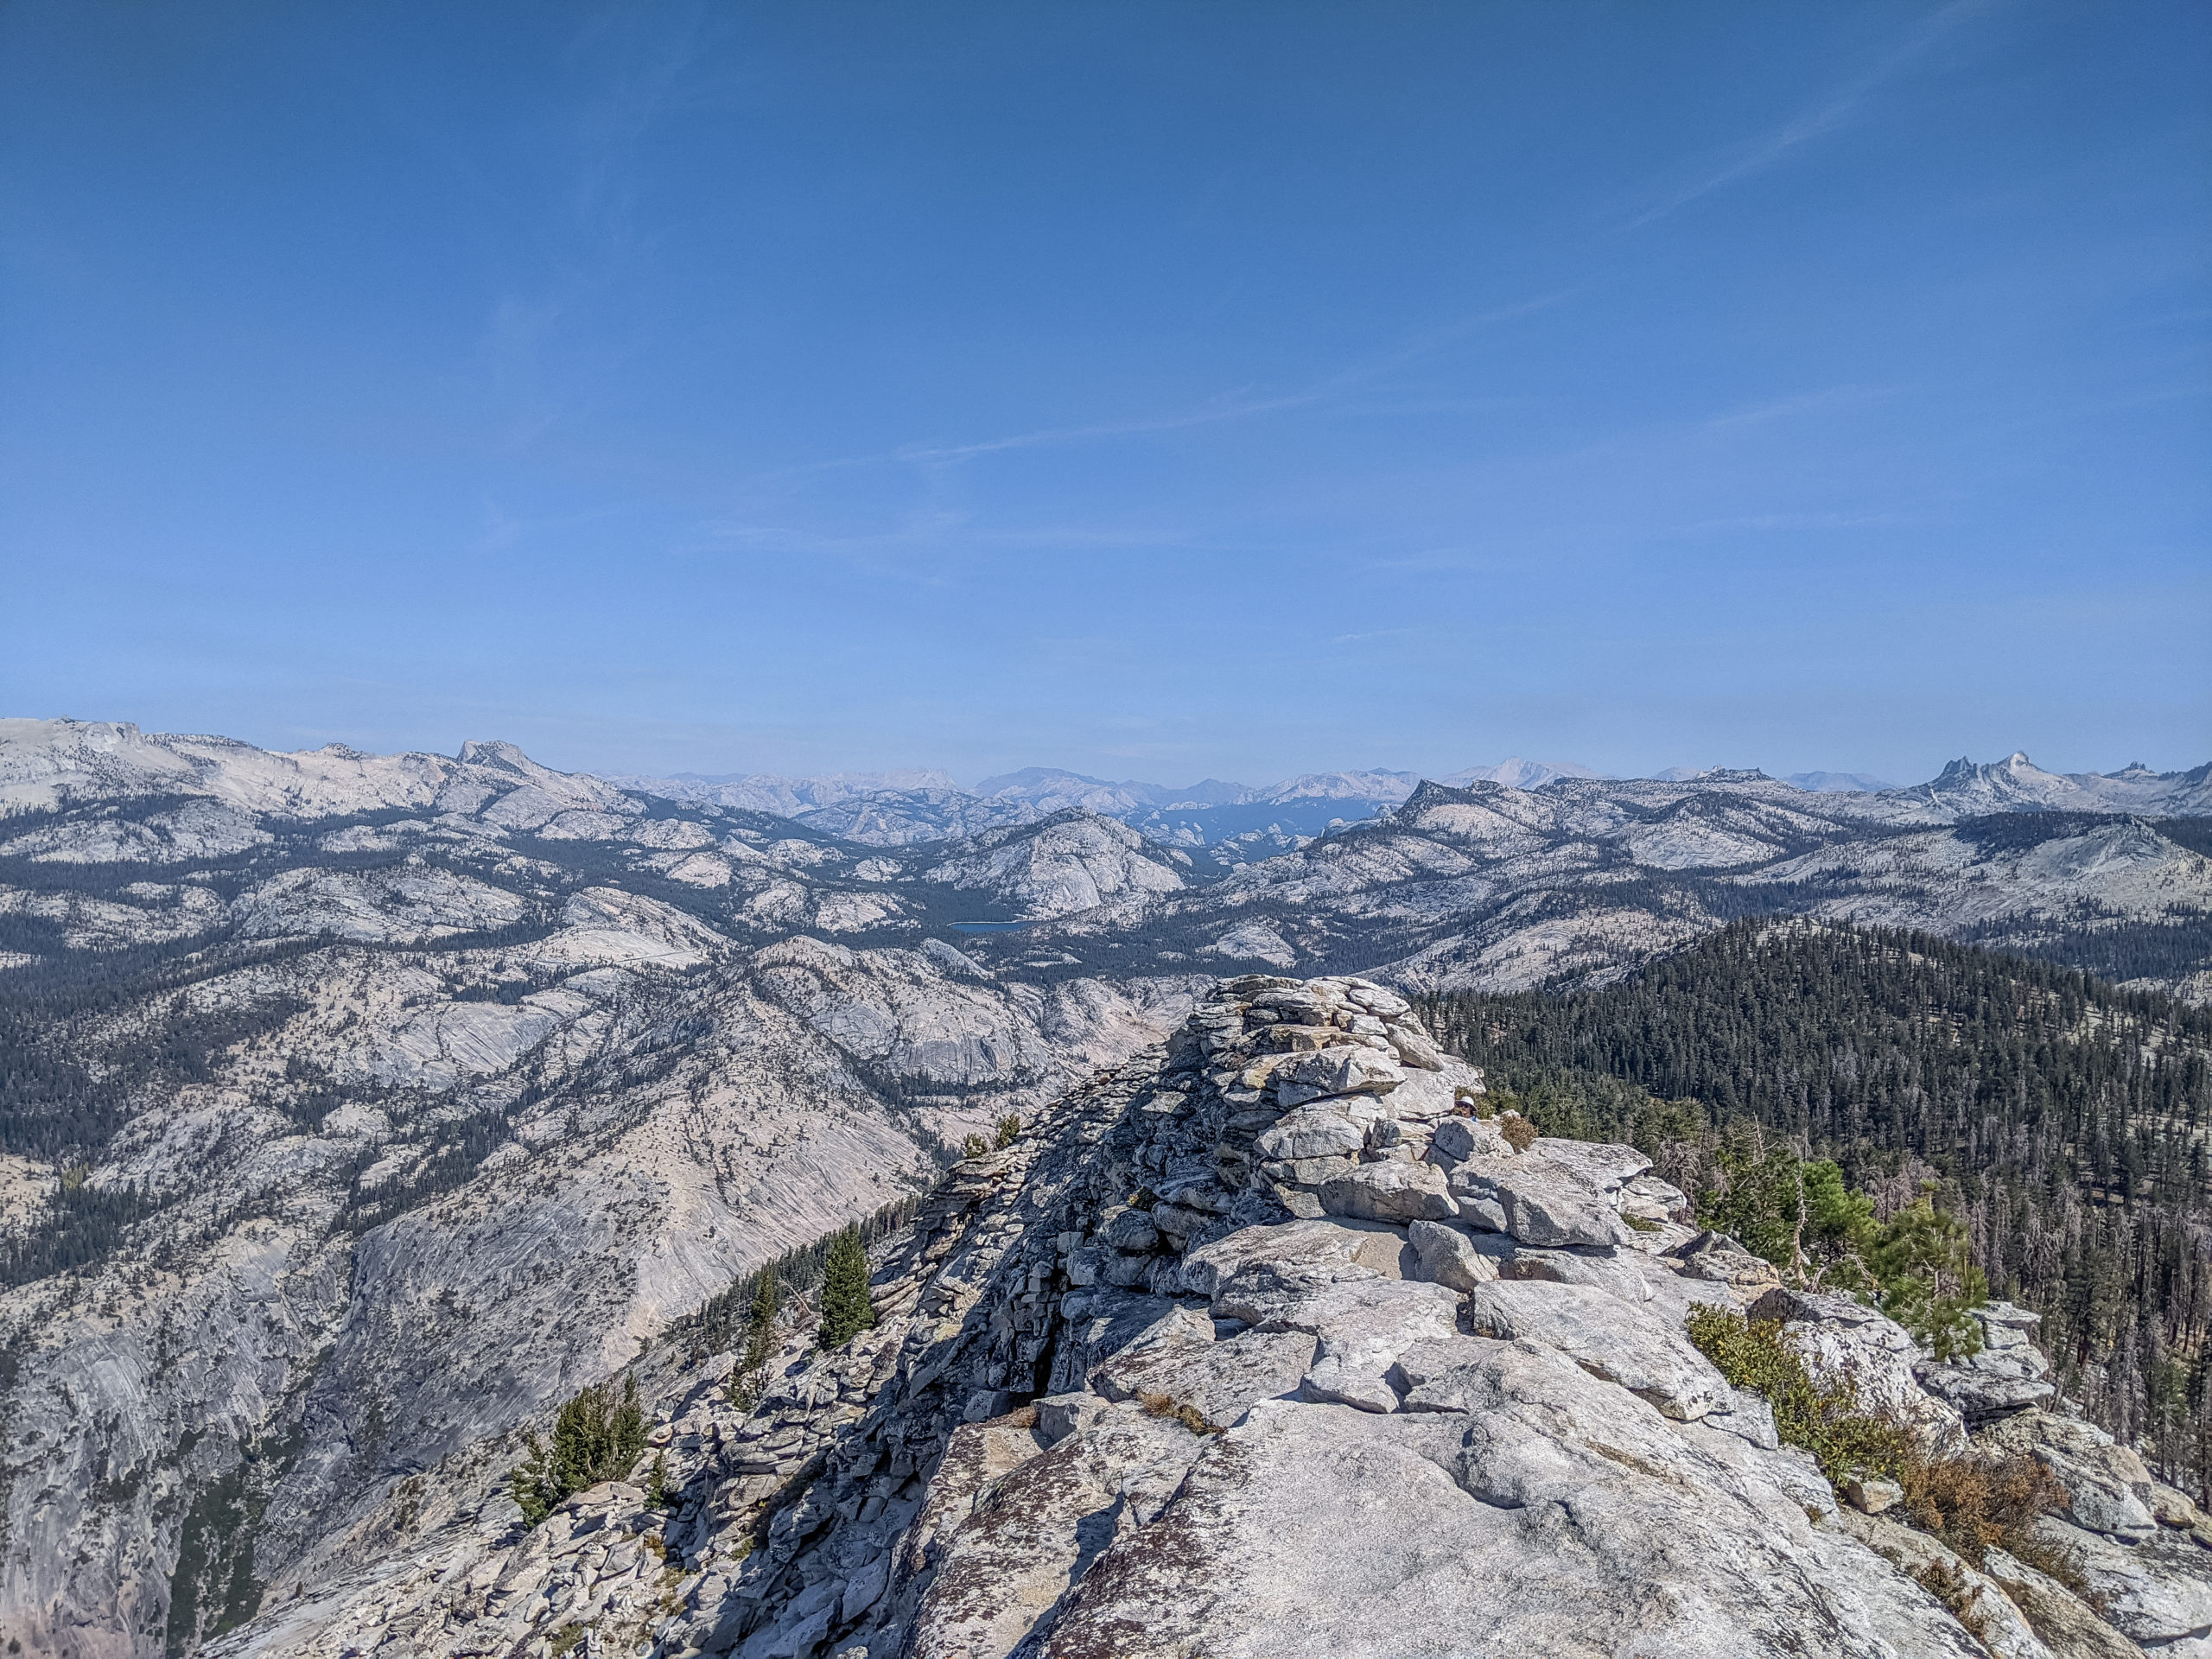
[{"x": 1274, "y": 1340}]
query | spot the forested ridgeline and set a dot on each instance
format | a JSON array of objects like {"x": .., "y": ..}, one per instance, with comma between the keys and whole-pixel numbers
[{"x": 2063, "y": 1120}]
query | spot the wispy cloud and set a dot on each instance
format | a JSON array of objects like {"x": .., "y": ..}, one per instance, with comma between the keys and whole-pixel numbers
[
  {"x": 1231, "y": 407},
  {"x": 1838, "y": 109},
  {"x": 1802, "y": 402},
  {"x": 1242, "y": 404},
  {"x": 1772, "y": 521}
]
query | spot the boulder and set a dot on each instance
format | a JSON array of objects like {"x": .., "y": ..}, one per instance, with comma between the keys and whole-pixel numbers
[
  {"x": 1977, "y": 1601},
  {"x": 2108, "y": 1487},
  {"x": 1457, "y": 1139},
  {"x": 1210, "y": 1385},
  {"x": 1535, "y": 1199},
  {"x": 1413, "y": 1047},
  {"x": 1606, "y": 1167},
  {"x": 1718, "y": 1259},
  {"x": 1389, "y": 1190},
  {"x": 1289, "y": 1256},
  {"x": 1617, "y": 1273},
  {"x": 1989, "y": 1384},
  {"x": 1351, "y": 1069},
  {"x": 1447, "y": 1257},
  {"x": 1361, "y": 1327},
  {"x": 1843, "y": 1340},
  {"x": 1007, "y": 1561},
  {"x": 1101, "y": 1322},
  {"x": 1649, "y": 1198},
  {"x": 1431, "y": 1096},
  {"x": 1376, "y": 1000},
  {"x": 1133, "y": 1232},
  {"x": 1608, "y": 1339},
  {"x": 1314, "y": 1132},
  {"x": 1747, "y": 1415},
  {"x": 2008, "y": 1373},
  {"x": 2158, "y": 1592},
  {"x": 2068, "y": 1624}
]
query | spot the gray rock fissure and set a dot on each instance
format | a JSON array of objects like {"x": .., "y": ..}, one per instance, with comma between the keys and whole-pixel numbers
[{"x": 1079, "y": 1433}]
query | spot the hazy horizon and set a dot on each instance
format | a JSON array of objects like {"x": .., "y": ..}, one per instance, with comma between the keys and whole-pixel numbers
[
  {"x": 1147, "y": 390},
  {"x": 973, "y": 780}
]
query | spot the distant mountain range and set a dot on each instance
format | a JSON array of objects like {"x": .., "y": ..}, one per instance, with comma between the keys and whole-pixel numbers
[{"x": 1231, "y": 823}]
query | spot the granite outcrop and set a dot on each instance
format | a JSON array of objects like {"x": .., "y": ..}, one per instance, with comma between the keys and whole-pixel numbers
[{"x": 1208, "y": 1363}]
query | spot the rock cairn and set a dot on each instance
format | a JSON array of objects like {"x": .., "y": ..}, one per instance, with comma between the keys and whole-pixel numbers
[{"x": 1268, "y": 1344}]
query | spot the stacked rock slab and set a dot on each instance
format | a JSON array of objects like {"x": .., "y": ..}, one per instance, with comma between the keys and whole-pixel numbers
[{"x": 1209, "y": 1362}]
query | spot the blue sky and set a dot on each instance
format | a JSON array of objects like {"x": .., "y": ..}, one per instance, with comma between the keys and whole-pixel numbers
[{"x": 1157, "y": 390}]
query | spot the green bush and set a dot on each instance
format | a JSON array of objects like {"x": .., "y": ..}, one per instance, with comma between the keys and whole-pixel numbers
[
  {"x": 1823, "y": 1419},
  {"x": 1009, "y": 1131},
  {"x": 1839, "y": 1229},
  {"x": 1756, "y": 1197},
  {"x": 846, "y": 1310},
  {"x": 974, "y": 1146},
  {"x": 600, "y": 1435}
]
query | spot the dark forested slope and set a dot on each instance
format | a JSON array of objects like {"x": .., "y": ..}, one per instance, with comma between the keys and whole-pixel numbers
[{"x": 2065, "y": 1120}]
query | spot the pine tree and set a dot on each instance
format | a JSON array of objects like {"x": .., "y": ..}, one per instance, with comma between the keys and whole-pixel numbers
[
  {"x": 750, "y": 1381},
  {"x": 1928, "y": 1278},
  {"x": 767, "y": 1304},
  {"x": 846, "y": 1310}
]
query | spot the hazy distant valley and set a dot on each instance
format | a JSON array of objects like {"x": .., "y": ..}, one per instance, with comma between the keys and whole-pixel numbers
[{"x": 359, "y": 1107}]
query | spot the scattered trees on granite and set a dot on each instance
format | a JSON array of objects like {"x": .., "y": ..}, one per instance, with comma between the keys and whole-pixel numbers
[
  {"x": 725, "y": 1320},
  {"x": 2067, "y": 1124},
  {"x": 600, "y": 1435}
]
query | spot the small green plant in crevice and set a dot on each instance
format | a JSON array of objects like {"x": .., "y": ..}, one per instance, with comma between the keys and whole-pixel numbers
[
  {"x": 846, "y": 1309},
  {"x": 974, "y": 1146},
  {"x": 1009, "y": 1131},
  {"x": 657, "y": 1495},
  {"x": 600, "y": 1435}
]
